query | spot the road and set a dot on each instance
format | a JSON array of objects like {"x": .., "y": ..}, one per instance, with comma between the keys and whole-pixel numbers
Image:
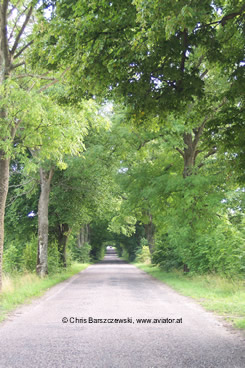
[{"x": 35, "y": 336}]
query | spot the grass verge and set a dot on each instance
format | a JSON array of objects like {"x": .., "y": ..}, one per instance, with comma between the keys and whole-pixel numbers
[
  {"x": 20, "y": 289},
  {"x": 222, "y": 296}
]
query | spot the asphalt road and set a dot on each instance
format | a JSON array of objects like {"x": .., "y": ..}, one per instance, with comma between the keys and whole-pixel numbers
[{"x": 35, "y": 336}]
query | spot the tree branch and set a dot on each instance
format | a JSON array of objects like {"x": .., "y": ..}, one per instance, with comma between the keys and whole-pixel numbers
[
  {"x": 22, "y": 184},
  {"x": 203, "y": 74},
  {"x": 167, "y": 167},
  {"x": 20, "y": 195},
  {"x": 54, "y": 81},
  {"x": 28, "y": 16},
  {"x": 18, "y": 17},
  {"x": 198, "y": 132},
  {"x": 13, "y": 8},
  {"x": 210, "y": 153},
  {"x": 180, "y": 151},
  {"x": 200, "y": 61},
  {"x": 225, "y": 18},
  {"x": 23, "y": 49},
  {"x": 35, "y": 76},
  {"x": 51, "y": 173},
  {"x": 149, "y": 140},
  {"x": 14, "y": 66}
]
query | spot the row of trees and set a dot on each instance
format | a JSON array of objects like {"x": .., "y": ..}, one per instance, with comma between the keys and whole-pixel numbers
[
  {"x": 41, "y": 128},
  {"x": 171, "y": 165}
]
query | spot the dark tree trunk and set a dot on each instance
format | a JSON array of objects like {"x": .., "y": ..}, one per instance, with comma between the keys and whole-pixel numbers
[
  {"x": 149, "y": 233},
  {"x": 63, "y": 233},
  {"x": 42, "y": 255},
  {"x": 4, "y": 183}
]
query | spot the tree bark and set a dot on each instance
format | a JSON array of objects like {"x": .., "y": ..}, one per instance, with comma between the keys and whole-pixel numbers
[
  {"x": 83, "y": 236},
  {"x": 149, "y": 233},
  {"x": 63, "y": 233},
  {"x": 189, "y": 155},
  {"x": 4, "y": 182},
  {"x": 42, "y": 254}
]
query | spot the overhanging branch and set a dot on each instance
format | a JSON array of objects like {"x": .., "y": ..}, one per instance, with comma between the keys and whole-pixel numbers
[{"x": 17, "y": 40}]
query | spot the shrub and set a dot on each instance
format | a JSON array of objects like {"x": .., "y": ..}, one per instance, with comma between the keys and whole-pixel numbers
[
  {"x": 11, "y": 259},
  {"x": 143, "y": 255},
  {"x": 29, "y": 256},
  {"x": 53, "y": 258},
  {"x": 82, "y": 254}
]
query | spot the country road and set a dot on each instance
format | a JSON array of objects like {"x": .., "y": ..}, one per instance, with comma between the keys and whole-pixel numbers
[{"x": 181, "y": 333}]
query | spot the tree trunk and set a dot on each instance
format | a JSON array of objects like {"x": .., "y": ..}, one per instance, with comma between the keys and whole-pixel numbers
[
  {"x": 63, "y": 233},
  {"x": 4, "y": 182},
  {"x": 189, "y": 156},
  {"x": 83, "y": 236},
  {"x": 42, "y": 255},
  {"x": 149, "y": 232}
]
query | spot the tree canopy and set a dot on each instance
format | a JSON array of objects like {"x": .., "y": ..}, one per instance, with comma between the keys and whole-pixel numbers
[{"x": 123, "y": 122}]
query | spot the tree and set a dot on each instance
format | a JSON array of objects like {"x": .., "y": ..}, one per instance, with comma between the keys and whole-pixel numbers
[
  {"x": 18, "y": 111},
  {"x": 84, "y": 192},
  {"x": 160, "y": 59},
  {"x": 152, "y": 54}
]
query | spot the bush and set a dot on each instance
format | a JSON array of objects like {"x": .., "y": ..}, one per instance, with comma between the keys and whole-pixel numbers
[
  {"x": 143, "y": 255},
  {"x": 11, "y": 259},
  {"x": 82, "y": 254},
  {"x": 53, "y": 259},
  {"x": 29, "y": 257},
  {"x": 166, "y": 256},
  {"x": 125, "y": 255}
]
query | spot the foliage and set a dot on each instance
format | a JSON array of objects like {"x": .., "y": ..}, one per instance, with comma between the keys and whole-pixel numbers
[
  {"x": 11, "y": 259},
  {"x": 81, "y": 255},
  {"x": 21, "y": 258},
  {"x": 30, "y": 255},
  {"x": 165, "y": 256},
  {"x": 143, "y": 255},
  {"x": 194, "y": 227},
  {"x": 127, "y": 246},
  {"x": 151, "y": 54}
]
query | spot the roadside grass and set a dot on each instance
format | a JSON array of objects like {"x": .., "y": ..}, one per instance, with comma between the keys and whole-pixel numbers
[
  {"x": 22, "y": 288},
  {"x": 223, "y": 296}
]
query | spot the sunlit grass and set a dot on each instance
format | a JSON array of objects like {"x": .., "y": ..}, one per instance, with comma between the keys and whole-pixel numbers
[
  {"x": 222, "y": 296},
  {"x": 19, "y": 289}
]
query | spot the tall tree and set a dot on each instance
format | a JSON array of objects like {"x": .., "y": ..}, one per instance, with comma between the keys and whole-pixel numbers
[{"x": 17, "y": 84}]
